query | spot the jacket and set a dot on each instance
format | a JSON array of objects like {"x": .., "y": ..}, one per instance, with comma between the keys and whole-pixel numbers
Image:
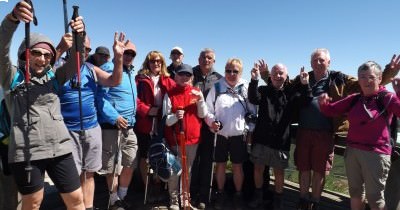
[
  {"x": 145, "y": 100},
  {"x": 44, "y": 135},
  {"x": 119, "y": 100},
  {"x": 276, "y": 111},
  {"x": 366, "y": 133},
  {"x": 180, "y": 98}
]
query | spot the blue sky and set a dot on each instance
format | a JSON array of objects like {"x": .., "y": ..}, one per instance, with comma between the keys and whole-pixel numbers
[{"x": 285, "y": 31}]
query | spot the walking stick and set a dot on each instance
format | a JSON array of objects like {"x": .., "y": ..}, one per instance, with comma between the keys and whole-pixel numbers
[
  {"x": 184, "y": 176},
  {"x": 116, "y": 160},
  {"x": 28, "y": 167},
  {"x": 212, "y": 167},
  {"x": 147, "y": 182},
  {"x": 66, "y": 26},
  {"x": 78, "y": 75}
]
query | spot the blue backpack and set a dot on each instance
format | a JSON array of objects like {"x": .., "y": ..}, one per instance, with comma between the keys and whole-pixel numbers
[{"x": 162, "y": 160}]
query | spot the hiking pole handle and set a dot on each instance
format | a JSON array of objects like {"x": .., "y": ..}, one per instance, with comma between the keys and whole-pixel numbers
[{"x": 66, "y": 25}]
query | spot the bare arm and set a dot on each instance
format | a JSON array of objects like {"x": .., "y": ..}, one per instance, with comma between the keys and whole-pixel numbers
[{"x": 115, "y": 78}]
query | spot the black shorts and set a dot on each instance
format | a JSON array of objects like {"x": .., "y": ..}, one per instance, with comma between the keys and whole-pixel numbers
[
  {"x": 143, "y": 143},
  {"x": 233, "y": 147},
  {"x": 61, "y": 170}
]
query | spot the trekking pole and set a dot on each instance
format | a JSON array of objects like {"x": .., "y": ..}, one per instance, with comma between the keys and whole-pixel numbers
[
  {"x": 147, "y": 182},
  {"x": 212, "y": 167},
  {"x": 28, "y": 167},
  {"x": 66, "y": 25},
  {"x": 78, "y": 75},
  {"x": 116, "y": 160},
  {"x": 184, "y": 176}
]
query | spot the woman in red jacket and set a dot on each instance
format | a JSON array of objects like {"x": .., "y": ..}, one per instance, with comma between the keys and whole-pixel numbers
[{"x": 152, "y": 82}]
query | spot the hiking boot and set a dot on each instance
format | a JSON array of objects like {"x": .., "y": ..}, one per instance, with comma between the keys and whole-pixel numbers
[
  {"x": 238, "y": 201},
  {"x": 278, "y": 202},
  {"x": 303, "y": 204},
  {"x": 119, "y": 205},
  {"x": 201, "y": 205},
  {"x": 257, "y": 200},
  {"x": 219, "y": 202},
  {"x": 174, "y": 203}
]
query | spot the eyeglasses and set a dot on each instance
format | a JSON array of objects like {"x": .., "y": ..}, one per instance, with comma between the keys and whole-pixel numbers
[
  {"x": 88, "y": 49},
  {"x": 184, "y": 73},
  {"x": 103, "y": 55},
  {"x": 155, "y": 61},
  {"x": 235, "y": 72},
  {"x": 37, "y": 53}
]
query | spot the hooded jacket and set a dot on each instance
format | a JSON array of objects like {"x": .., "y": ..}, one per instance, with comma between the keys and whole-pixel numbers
[{"x": 44, "y": 135}]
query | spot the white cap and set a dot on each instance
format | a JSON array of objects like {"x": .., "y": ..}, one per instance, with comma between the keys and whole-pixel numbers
[{"x": 179, "y": 49}]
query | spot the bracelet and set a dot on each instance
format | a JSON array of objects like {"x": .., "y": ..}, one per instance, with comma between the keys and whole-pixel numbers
[
  {"x": 12, "y": 19},
  {"x": 14, "y": 15}
]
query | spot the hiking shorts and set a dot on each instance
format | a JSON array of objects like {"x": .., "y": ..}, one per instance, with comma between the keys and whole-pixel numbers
[
  {"x": 61, "y": 170},
  {"x": 233, "y": 147},
  {"x": 263, "y": 155},
  {"x": 369, "y": 169},
  {"x": 314, "y": 150},
  {"x": 144, "y": 144},
  {"x": 87, "y": 152},
  {"x": 126, "y": 139}
]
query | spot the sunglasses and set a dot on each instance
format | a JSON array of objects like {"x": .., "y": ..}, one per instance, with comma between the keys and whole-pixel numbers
[
  {"x": 184, "y": 73},
  {"x": 129, "y": 53},
  {"x": 36, "y": 53},
  {"x": 88, "y": 49},
  {"x": 235, "y": 72},
  {"x": 155, "y": 61}
]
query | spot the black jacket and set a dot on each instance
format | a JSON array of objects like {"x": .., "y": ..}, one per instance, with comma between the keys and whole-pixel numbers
[{"x": 276, "y": 112}]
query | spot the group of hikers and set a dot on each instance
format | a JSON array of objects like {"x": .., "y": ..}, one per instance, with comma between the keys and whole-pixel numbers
[{"x": 85, "y": 113}]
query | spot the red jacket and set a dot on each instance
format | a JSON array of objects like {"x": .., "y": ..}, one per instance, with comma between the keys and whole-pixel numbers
[
  {"x": 181, "y": 99},
  {"x": 145, "y": 100}
]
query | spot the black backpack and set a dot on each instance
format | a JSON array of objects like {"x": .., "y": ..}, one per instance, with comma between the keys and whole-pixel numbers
[
  {"x": 4, "y": 136},
  {"x": 393, "y": 126},
  {"x": 161, "y": 159}
]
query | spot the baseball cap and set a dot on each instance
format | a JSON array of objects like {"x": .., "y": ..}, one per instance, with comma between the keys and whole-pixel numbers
[
  {"x": 102, "y": 50},
  {"x": 179, "y": 49},
  {"x": 184, "y": 68}
]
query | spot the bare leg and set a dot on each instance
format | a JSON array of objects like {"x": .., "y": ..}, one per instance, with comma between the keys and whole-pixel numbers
[
  {"x": 220, "y": 175},
  {"x": 258, "y": 175},
  {"x": 318, "y": 182},
  {"x": 32, "y": 201},
  {"x": 279, "y": 179},
  {"x": 357, "y": 204},
  {"x": 126, "y": 176},
  {"x": 238, "y": 177},
  {"x": 304, "y": 182},
  {"x": 87, "y": 184},
  {"x": 111, "y": 187},
  {"x": 73, "y": 200}
]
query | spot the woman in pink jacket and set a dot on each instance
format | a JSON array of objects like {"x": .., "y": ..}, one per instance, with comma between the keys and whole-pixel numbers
[{"x": 367, "y": 156}]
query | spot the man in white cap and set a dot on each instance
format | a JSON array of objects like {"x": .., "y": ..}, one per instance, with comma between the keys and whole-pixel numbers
[{"x": 176, "y": 57}]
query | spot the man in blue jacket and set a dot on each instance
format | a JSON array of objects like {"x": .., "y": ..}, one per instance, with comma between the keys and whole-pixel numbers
[{"x": 117, "y": 110}]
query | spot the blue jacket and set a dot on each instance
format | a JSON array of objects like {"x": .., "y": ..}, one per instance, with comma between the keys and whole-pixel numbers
[
  {"x": 70, "y": 100},
  {"x": 119, "y": 100}
]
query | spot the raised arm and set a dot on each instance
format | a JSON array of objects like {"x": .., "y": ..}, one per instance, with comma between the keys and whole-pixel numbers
[
  {"x": 114, "y": 79},
  {"x": 391, "y": 70}
]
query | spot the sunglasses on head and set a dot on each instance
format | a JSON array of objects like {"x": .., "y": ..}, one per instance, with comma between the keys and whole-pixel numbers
[{"x": 235, "y": 72}]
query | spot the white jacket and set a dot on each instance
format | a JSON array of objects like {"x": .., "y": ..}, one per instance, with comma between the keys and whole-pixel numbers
[{"x": 230, "y": 108}]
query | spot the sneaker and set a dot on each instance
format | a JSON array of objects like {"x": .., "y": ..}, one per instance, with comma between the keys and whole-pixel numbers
[
  {"x": 219, "y": 202},
  {"x": 174, "y": 204},
  {"x": 238, "y": 201},
  {"x": 119, "y": 205}
]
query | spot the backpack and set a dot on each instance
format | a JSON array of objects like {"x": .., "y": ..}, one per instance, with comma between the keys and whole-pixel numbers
[
  {"x": 162, "y": 160},
  {"x": 393, "y": 126}
]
